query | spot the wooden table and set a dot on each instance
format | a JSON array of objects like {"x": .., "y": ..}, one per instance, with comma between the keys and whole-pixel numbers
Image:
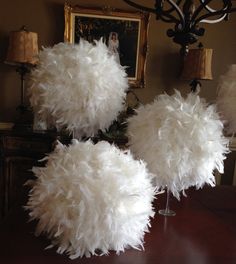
[{"x": 203, "y": 231}]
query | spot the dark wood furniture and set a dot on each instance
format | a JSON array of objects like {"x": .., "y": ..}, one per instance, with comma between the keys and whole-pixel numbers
[
  {"x": 203, "y": 231},
  {"x": 19, "y": 152},
  {"x": 228, "y": 178}
]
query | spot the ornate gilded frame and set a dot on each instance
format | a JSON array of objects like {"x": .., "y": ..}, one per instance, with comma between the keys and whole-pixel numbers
[{"x": 77, "y": 16}]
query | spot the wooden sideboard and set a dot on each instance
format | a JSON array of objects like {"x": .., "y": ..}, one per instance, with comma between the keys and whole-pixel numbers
[
  {"x": 229, "y": 175},
  {"x": 19, "y": 152}
]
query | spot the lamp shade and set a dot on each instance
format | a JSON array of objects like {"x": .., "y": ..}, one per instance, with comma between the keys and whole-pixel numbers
[
  {"x": 197, "y": 65},
  {"x": 23, "y": 47}
]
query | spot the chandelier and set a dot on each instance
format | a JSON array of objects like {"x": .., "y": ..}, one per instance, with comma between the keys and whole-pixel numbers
[{"x": 186, "y": 16}]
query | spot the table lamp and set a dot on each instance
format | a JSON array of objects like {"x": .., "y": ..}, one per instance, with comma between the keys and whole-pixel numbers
[
  {"x": 197, "y": 66},
  {"x": 23, "y": 54}
]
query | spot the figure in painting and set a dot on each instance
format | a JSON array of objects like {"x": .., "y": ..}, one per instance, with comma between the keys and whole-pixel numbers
[{"x": 113, "y": 45}]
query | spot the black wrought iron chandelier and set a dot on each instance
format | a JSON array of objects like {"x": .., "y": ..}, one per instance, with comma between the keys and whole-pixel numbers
[{"x": 186, "y": 15}]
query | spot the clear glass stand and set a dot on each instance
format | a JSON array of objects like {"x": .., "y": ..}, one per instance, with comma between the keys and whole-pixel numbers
[{"x": 167, "y": 211}]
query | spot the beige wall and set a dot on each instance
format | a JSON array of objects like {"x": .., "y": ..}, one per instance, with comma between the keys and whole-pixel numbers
[{"x": 46, "y": 17}]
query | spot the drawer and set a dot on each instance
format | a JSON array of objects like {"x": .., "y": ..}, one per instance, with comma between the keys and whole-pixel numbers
[{"x": 26, "y": 145}]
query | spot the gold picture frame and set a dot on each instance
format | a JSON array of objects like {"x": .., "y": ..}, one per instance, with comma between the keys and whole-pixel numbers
[{"x": 128, "y": 29}]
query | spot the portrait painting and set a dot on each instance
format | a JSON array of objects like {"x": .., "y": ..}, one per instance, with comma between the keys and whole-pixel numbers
[{"x": 124, "y": 33}]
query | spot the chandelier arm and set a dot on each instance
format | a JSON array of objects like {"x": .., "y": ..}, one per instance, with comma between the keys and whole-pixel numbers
[
  {"x": 144, "y": 8},
  {"x": 165, "y": 16},
  {"x": 168, "y": 18},
  {"x": 170, "y": 10},
  {"x": 186, "y": 18},
  {"x": 208, "y": 8},
  {"x": 213, "y": 21},
  {"x": 220, "y": 12},
  {"x": 200, "y": 8},
  {"x": 178, "y": 10}
]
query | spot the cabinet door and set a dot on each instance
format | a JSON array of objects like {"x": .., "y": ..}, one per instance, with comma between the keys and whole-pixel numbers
[
  {"x": 229, "y": 166},
  {"x": 18, "y": 171},
  {"x": 1, "y": 189}
]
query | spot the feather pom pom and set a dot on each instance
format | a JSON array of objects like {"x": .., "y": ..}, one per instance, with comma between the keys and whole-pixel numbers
[
  {"x": 80, "y": 86},
  {"x": 92, "y": 197},
  {"x": 180, "y": 139},
  {"x": 226, "y": 98}
]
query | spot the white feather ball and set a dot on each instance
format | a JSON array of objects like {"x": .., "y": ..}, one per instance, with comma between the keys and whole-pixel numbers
[
  {"x": 79, "y": 86},
  {"x": 92, "y": 197},
  {"x": 226, "y": 98},
  {"x": 180, "y": 139}
]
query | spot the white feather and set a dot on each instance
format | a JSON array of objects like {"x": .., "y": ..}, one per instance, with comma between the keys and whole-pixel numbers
[
  {"x": 226, "y": 98},
  {"x": 92, "y": 197},
  {"x": 180, "y": 139},
  {"x": 80, "y": 86}
]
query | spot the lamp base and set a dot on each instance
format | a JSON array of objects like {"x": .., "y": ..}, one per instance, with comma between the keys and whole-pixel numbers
[
  {"x": 24, "y": 118},
  {"x": 194, "y": 84},
  {"x": 22, "y": 109}
]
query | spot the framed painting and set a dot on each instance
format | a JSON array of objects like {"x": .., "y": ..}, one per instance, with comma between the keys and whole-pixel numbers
[{"x": 125, "y": 34}]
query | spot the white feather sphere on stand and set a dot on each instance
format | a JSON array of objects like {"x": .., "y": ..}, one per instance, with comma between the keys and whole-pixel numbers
[
  {"x": 78, "y": 86},
  {"x": 226, "y": 99},
  {"x": 92, "y": 197},
  {"x": 181, "y": 141}
]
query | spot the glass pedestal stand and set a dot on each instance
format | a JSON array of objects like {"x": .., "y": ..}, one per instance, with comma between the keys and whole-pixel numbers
[{"x": 167, "y": 211}]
